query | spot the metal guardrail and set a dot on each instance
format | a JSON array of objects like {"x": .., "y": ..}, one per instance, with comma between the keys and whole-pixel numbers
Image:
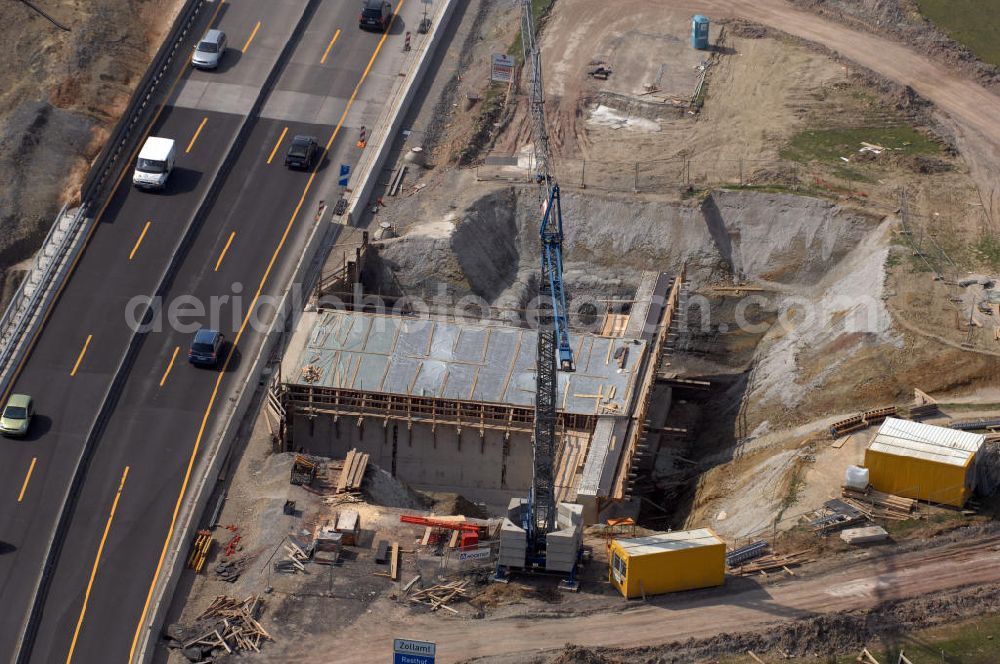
[{"x": 35, "y": 286}]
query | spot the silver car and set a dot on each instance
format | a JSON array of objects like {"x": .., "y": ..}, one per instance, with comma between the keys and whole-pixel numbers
[{"x": 208, "y": 53}]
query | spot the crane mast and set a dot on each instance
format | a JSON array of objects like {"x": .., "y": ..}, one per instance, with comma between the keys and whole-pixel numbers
[{"x": 553, "y": 331}]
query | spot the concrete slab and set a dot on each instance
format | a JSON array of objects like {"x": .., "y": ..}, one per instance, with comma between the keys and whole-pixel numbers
[{"x": 462, "y": 361}]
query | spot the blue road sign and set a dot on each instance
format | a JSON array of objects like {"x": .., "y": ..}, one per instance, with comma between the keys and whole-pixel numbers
[
  {"x": 403, "y": 658},
  {"x": 345, "y": 172}
]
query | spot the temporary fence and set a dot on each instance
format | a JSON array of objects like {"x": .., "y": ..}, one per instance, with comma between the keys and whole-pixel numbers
[{"x": 663, "y": 175}]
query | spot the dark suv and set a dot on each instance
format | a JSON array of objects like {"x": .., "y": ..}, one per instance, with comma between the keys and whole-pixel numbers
[
  {"x": 206, "y": 349},
  {"x": 375, "y": 16},
  {"x": 302, "y": 152}
]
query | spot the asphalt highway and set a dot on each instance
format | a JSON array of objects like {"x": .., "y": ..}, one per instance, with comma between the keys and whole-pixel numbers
[{"x": 99, "y": 595}]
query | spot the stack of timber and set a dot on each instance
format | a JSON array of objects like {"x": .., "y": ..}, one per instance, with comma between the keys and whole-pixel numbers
[
  {"x": 879, "y": 505},
  {"x": 353, "y": 472},
  {"x": 199, "y": 550},
  {"x": 438, "y": 597},
  {"x": 227, "y": 626},
  {"x": 775, "y": 562}
]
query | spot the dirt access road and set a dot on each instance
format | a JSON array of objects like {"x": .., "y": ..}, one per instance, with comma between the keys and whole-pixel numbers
[
  {"x": 974, "y": 111},
  {"x": 744, "y": 605}
]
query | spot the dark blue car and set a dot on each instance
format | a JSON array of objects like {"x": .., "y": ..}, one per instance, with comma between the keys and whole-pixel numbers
[{"x": 206, "y": 349}]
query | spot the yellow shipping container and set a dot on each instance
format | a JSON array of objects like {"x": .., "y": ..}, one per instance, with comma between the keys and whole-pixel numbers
[
  {"x": 923, "y": 462},
  {"x": 664, "y": 563}
]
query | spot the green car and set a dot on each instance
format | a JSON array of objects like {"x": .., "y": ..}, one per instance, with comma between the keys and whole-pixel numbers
[{"x": 16, "y": 415}]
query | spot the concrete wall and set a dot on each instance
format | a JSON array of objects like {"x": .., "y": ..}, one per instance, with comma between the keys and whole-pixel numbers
[{"x": 443, "y": 459}]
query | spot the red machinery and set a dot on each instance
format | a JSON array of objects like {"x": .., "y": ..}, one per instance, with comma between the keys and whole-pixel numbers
[{"x": 469, "y": 537}]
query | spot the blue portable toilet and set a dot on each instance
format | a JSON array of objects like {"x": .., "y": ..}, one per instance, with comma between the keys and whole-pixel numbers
[{"x": 699, "y": 32}]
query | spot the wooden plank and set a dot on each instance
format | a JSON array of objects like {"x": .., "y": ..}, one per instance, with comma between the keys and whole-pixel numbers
[
  {"x": 427, "y": 536},
  {"x": 840, "y": 442},
  {"x": 454, "y": 539},
  {"x": 344, "y": 472},
  {"x": 394, "y": 562}
]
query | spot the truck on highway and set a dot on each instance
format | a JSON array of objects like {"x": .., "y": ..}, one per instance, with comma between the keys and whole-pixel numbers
[{"x": 156, "y": 160}]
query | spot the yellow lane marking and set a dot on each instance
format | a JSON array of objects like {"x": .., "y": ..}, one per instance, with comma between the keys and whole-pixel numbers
[
  {"x": 196, "y": 132},
  {"x": 24, "y": 487},
  {"x": 79, "y": 359},
  {"x": 170, "y": 366},
  {"x": 224, "y": 250},
  {"x": 145, "y": 228},
  {"x": 236, "y": 341},
  {"x": 329, "y": 46},
  {"x": 97, "y": 562},
  {"x": 97, "y": 220},
  {"x": 252, "y": 35},
  {"x": 278, "y": 144}
]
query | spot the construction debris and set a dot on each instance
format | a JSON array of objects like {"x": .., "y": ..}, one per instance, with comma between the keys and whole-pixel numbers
[
  {"x": 229, "y": 570},
  {"x": 227, "y": 626},
  {"x": 353, "y": 471},
  {"x": 440, "y": 596},
  {"x": 199, "y": 550},
  {"x": 866, "y": 657},
  {"x": 295, "y": 558},
  {"x": 835, "y": 515}
]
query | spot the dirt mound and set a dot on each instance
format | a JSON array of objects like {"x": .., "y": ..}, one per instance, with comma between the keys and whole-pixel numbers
[
  {"x": 381, "y": 488},
  {"x": 468, "y": 253},
  {"x": 577, "y": 655},
  {"x": 453, "y": 504}
]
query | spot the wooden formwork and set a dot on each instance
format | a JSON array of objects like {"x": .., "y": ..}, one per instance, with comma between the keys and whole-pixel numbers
[{"x": 639, "y": 427}]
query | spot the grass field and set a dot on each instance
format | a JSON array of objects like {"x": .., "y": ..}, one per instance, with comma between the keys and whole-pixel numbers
[
  {"x": 975, "y": 23},
  {"x": 829, "y": 145}
]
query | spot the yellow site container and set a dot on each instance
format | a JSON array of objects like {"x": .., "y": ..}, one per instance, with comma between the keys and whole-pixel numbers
[
  {"x": 923, "y": 462},
  {"x": 664, "y": 563}
]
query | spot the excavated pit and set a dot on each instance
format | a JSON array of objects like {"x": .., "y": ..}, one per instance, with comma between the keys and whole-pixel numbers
[{"x": 811, "y": 266}]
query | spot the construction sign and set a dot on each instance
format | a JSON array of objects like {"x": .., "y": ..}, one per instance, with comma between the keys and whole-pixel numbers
[{"x": 502, "y": 68}]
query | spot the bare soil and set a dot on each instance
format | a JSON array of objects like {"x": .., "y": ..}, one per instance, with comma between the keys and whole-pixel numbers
[{"x": 902, "y": 21}]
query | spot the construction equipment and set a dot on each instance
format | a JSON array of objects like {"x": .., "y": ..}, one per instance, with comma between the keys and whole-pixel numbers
[
  {"x": 469, "y": 532},
  {"x": 303, "y": 471},
  {"x": 538, "y": 515}
]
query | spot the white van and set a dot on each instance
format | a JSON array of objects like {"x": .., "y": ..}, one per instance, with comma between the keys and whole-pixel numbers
[{"x": 156, "y": 160}]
